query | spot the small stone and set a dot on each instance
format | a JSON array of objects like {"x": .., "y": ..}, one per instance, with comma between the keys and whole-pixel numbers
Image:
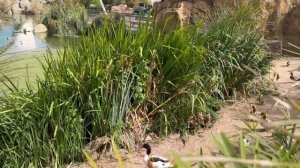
[
  {"x": 40, "y": 28},
  {"x": 148, "y": 138}
]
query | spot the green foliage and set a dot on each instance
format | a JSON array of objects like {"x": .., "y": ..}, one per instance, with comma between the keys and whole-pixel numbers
[
  {"x": 94, "y": 87},
  {"x": 90, "y": 160},
  {"x": 95, "y": 2},
  {"x": 66, "y": 19}
]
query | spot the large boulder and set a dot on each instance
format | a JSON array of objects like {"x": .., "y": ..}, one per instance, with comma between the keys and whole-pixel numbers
[
  {"x": 180, "y": 12},
  {"x": 40, "y": 28},
  {"x": 280, "y": 18}
]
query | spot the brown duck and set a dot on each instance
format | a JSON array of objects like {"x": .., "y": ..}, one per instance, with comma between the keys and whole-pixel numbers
[{"x": 293, "y": 78}]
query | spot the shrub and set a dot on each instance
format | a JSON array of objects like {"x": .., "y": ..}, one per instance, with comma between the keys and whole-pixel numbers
[{"x": 66, "y": 19}]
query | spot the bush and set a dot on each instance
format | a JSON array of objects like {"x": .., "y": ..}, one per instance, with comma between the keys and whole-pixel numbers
[
  {"x": 113, "y": 79},
  {"x": 66, "y": 19}
]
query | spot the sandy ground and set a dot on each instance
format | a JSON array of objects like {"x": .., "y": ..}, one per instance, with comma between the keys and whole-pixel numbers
[{"x": 229, "y": 122}]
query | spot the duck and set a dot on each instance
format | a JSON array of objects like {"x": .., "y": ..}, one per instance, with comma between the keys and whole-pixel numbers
[
  {"x": 293, "y": 78},
  {"x": 253, "y": 110},
  {"x": 276, "y": 76},
  {"x": 263, "y": 115},
  {"x": 155, "y": 161},
  {"x": 183, "y": 138}
]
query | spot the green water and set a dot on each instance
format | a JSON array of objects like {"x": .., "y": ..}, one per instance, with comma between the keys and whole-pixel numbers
[{"x": 26, "y": 50}]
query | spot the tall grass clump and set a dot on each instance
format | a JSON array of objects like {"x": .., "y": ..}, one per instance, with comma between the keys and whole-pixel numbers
[
  {"x": 233, "y": 46},
  {"x": 66, "y": 18},
  {"x": 114, "y": 81}
]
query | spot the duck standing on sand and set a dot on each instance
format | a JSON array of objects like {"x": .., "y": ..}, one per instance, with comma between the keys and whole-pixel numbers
[
  {"x": 155, "y": 161},
  {"x": 276, "y": 76},
  {"x": 253, "y": 110},
  {"x": 293, "y": 78}
]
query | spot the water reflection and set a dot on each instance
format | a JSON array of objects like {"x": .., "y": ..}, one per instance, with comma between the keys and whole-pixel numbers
[{"x": 12, "y": 29}]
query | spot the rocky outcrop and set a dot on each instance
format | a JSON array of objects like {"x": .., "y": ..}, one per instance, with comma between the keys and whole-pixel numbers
[
  {"x": 21, "y": 6},
  {"x": 281, "y": 18},
  {"x": 178, "y": 12}
]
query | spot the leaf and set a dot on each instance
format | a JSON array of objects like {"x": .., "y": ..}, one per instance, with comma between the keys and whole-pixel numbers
[
  {"x": 90, "y": 160},
  {"x": 242, "y": 147},
  {"x": 117, "y": 153}
]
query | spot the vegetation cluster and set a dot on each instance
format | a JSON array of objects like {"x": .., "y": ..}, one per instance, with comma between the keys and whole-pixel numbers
[
  {"x": 123, "y": 84},
  {"x": 66, "y": 18}
]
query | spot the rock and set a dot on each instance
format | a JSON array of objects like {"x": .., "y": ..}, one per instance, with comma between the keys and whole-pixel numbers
[
  {"x": 97, "y": 146},
  {"x": 122, "y": 9},
  {"x": 273, "y": 46},
  {"x": 40, "y": 28},
  {"x": 25, "y": 4},
  {"x": 10, "y": 12},
  {"x": 179, "y": 12},
  {"x": 280, "y": 18}
]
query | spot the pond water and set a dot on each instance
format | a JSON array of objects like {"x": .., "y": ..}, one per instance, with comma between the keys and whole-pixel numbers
[
  {"x": 11, "y": 32},
  {"x": 25, "y": 50}
]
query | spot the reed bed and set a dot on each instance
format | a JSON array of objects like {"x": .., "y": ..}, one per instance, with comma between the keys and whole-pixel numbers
[{"x": 114, "y": 80}]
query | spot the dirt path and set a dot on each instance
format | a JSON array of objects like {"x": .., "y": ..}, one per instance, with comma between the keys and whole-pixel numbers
[{"x": 229, "y": 122}]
